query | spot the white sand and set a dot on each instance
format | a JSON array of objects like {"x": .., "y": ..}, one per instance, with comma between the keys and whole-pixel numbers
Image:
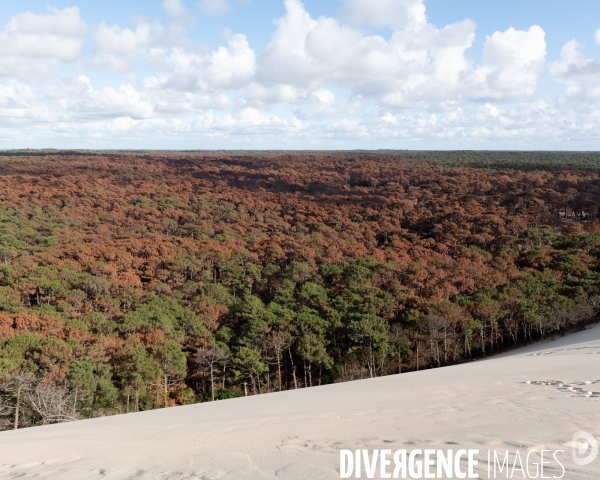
[{"x": 298, "y": 434}]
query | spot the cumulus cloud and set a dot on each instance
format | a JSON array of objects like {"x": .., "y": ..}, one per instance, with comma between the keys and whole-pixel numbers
[
  {"x": 572, "y": 63},
  {"x": 385, "y": 13},
  {"x": 417, "y": 66},
  {"x": 124, "y": 101},
  {"x": 31, "y": 43},
  {"x": 65, "y": 23},
  {"x": 259, "y": 95},
  {"x": 214, "y": 7},
  {"x": 330, "y": 80},
  {"x": 77, "y": 99},
  {"x": 174, "y": 7},
  {"x": 180, "y": 17},
  {"x": 227, "y": 67},
  {"x": 580, "y": 74},
  {"x": 429, "y": 66},
  {"x": 15, "y": 98},
  {"x": 232, "y": 66},
  {"x": 512, "y": 64},
  {"x": 119, "y": 48},
  {"x": 322, "y": 103}
]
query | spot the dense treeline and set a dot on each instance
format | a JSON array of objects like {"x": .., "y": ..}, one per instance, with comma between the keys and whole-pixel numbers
[{"x": 136, "y": 280}]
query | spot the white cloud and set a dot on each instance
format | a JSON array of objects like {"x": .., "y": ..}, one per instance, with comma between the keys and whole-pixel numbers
[
  {"x": 385, "y": 13},
  {"x": 580, "y": 74},
  {"x": 259, "y": 95},
  {"x": 325, "y": 96},
  {"x": 16, "y": 97},
  {"x": 418, "y": 66},
  {"x": 78, "y": 99},
  {"x": 335, "y": 83},
  {"x": 94, "y": 124},
  {"x": 227, "y": 67},
  {"x": 180, "y": 17},
  {"x": 64, "y": 23},
  {"x": 572, "y": 63},
  {"x": 119, "y": 48},
  {"x": 597, "y": 36},
  {"x": 512, "y": 64},
  {"x": 429, "y": 66},
  {"x": 321, "y": 103},
  {"x": 174, "y": 7},
  {"x": 31, "y": 44},
  {"x": 232, "y": 66},
  {"x": 214, "y": 7}
]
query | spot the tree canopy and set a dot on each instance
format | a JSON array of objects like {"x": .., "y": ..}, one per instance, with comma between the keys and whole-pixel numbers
[{"x": 139, "y": 280}]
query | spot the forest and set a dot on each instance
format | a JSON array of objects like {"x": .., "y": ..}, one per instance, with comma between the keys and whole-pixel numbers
[{"x": 134, "y": 280}]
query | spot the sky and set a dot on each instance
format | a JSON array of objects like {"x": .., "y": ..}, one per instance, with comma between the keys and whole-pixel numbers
[{"x": 292, "y": 74}]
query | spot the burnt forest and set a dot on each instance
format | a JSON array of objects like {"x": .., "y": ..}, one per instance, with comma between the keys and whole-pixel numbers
[{"x": 134, "y": 280}]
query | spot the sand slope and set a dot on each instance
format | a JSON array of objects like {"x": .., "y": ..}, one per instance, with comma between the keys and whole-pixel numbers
[{"x": 298, "y": 434}]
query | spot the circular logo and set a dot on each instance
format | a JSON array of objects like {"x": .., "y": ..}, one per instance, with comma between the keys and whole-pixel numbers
[{"x": 585, "y": 448}]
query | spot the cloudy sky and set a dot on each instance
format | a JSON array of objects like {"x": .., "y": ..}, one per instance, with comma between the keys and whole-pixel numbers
[{"x": 318, "y": 74}]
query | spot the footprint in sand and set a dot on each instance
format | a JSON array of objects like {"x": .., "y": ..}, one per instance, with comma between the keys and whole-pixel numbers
[
  {"x": 595, "y": 351},
  {"x": 577, "y": 389}
]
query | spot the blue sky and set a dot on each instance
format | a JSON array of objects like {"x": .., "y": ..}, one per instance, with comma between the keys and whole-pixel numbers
[
  {"x": 179, "y": 74},
  {"x": 561, "y": 20}
]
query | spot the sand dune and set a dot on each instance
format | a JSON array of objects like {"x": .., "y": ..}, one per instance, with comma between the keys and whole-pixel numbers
[{"x": 533, "y": 398}]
